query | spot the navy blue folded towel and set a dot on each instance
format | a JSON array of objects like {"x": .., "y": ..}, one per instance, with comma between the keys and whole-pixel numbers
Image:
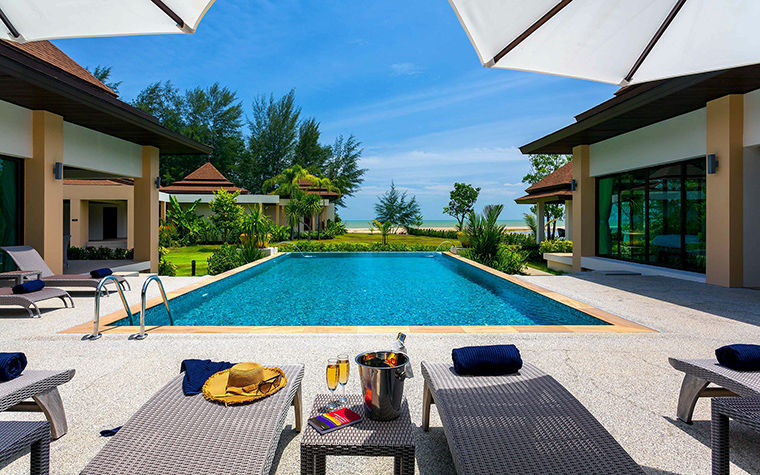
[
  {"x": 197, "y": 373},
  {"x": 487, "y": 360},
  {"x": 28, "y": 287},
  {"x": 110, "y": 432},
  {"x": 100, "y": 273},
  {"x": 11, "y": 365},
  {"x": 739, "y": 357}
]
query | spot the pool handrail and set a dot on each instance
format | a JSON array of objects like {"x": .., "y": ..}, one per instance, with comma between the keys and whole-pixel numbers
[
  {"x": 98, "y": 292},
  {"x": 292, "y": 244},
  {"x": 442, "y": 243},
  {"x": 143, "y": 294}
]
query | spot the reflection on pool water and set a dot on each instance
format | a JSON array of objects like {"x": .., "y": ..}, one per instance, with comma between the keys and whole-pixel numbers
[{"x": 396, "y": 289}]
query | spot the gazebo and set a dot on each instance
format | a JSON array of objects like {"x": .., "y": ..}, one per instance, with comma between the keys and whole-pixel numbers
[{"x": 554, "y": 189}]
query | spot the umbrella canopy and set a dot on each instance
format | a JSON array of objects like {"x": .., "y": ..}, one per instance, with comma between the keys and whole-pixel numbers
[
  {"x": 32, "y": 20},
  {"x": 614, "y": 41}
]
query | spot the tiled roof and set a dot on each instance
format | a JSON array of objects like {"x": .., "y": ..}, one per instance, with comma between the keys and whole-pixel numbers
[
  {"x": 47, "y": 52},
  {"x": 311, "y": 189},
  {"x": 562, "y": 177},
  {"x": 204, "y": 181},
  {"x": 110, "y": 182}
]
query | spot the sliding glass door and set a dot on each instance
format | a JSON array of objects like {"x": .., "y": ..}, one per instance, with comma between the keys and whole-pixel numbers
[
  {"x": 10, "y": 208},
  {"x": 654, "y": 216}
]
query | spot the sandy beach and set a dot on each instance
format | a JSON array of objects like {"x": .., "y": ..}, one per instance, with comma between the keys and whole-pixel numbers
[{"x": 511, "y": 229}]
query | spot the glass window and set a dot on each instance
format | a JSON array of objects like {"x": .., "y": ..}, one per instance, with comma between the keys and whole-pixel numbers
[
  {"x": 656, "y": 216},
  {"x": 10, "y": 213},
  {"x": 665, "y": 216}
]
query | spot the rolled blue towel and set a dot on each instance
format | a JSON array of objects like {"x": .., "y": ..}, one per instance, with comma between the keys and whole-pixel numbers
[
  {"x": 197, "y": 373},
  {"x": 28, "y": 287},
  {"x": 739, "y": 357},
  {"x": 100, "y": 273},
  {"x": 11, "y": 365},
  {"x": 490, "y": 360}
]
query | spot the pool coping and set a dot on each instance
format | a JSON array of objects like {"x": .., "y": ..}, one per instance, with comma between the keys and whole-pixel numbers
[{"x": 616, "y": 324}]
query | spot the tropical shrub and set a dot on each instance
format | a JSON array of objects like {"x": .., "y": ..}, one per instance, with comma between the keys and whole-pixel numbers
[
  {"x": 167, "y": 235},
  {"x": 256, "y": 227},
  {"x": 318, "y": 246},
  {"x": 279, "y": 233},
  {"x": 533, "y": 251},
  {"x": 439, "y": 233},
  {"x": 508, "y": 259},
  {"x": 337, "y": 226},
  {"x": 224, "y": 258},
  {"x": 99, "y": 254},
  {"x": 519, "y": 239},
  {"x": 227, "y": 214},
  {"x": 384, "y": 228},
  {"x": 165, "y": 267},
  {"x": 557, "y": 245},
  {"x": 185, "y": 220},
  {"x": 485, "y": 233}
]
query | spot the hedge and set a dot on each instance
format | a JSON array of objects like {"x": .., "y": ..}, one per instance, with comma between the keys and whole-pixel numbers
[
  {"x": 99, "y": 254},
  {"x": 432, "y": 233},
  {"x": 317, "y": 246}
]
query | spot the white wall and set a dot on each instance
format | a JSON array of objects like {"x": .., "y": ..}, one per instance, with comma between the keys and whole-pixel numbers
[
  {"x": 751, "y": 216},
  {"x": 15, "y": 130},
  {"x": 91, "y": 150},
  {"x": 96, "y": 220},
  {"x": 671, "y": 140},
  {"x": 752, "y": 118}
]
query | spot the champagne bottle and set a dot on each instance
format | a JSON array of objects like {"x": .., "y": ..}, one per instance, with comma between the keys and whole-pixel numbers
[{"x": 399, "y": 347}]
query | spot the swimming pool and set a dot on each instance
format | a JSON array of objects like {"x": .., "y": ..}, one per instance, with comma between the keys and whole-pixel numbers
[{"x": 357, "y": 289}]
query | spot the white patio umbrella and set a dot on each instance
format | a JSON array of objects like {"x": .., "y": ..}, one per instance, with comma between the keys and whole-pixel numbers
[
  {"x": 32, "y": 20},
  {"x": 613, "y": 41}
]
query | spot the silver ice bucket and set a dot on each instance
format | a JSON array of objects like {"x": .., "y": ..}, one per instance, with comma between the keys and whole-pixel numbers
[{"x": 382, "y": 388}]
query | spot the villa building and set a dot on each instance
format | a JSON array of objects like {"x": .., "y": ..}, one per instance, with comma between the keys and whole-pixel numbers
[
  {"x": 58, "y": 123},
  {"x": 202, "y": 183},
  {"x": 664, "y": 179}
]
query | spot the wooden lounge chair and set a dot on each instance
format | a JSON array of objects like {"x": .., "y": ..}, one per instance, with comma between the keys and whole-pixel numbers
[
  {"x": 42, "y": 387},
  {"x": 7, "y": 297},
  {"x": 524, "y": 423},
  {"x": 177, "y": 434},
  {"x": 700, "y": 373},
  {"x": 27, "y": 258}
]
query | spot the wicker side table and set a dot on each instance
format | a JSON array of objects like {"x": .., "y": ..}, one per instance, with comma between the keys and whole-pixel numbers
[
  {"x": 18, "y": 276},
  {"x": 744, "y": 410},
  {"x": 367, "y": 438}
]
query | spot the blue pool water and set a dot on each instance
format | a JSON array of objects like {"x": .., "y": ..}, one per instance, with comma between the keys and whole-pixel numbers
[{"x": 364, "y": 289}]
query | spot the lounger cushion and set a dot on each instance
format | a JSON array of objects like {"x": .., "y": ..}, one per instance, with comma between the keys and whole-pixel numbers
[
  {"x": 491, "y": 360},
  {"x": 739, "y": 357},
  {"x": 29, "y": 287},
  {"x": 11, "y": 365}
]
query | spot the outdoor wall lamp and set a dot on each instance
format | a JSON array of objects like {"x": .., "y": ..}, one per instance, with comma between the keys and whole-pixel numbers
[
  {"x": 158, "y": 182},
  {"x": 712, "y": 164},
  {"x": 58, "y": 170},
  {"x": 573, "y": 185}
]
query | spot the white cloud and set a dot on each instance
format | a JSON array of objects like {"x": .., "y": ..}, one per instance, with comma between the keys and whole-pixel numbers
[{"x": 405, "y": 69}]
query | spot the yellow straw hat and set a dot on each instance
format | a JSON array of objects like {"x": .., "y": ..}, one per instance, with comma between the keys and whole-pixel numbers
[{"x": 244, "y": 382}]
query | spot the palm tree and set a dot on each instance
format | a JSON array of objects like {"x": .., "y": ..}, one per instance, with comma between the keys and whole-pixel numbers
[
  {"x": 384, "y": 228},
  {"x": 288, "y": 182},
  {"x": 311, "y": 204},
  {"x": 293, "y": 213},
  {"x": 184, "y": 219}
]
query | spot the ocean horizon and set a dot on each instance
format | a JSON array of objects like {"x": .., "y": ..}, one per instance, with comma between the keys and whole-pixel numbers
[{"x": 437, "y": 223}]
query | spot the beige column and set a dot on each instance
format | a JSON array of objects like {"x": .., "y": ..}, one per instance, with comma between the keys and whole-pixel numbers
[
  {"x": 569, "y": 220},
  {"x": 540, "y": 222},
  {"x": 43, "y": 194},
  {"x": 584, "y": 207},
  {"x": 146, "y": 210},
  {"x": 80, "y": 229},
  {"x": 162, "y": 210},
  {"x": 725, "y": 192},
  {"x": 277, "y": 214}
]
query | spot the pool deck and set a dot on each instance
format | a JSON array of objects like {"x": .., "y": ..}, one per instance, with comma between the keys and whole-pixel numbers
[
  {"x": 615, "y": 323},
  {"x": 624, "y": 379}
]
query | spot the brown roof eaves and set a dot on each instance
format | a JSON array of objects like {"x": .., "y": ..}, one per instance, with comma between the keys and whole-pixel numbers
[
  {"x": 30, "y": 82},
  {"x": 557, "y": 196},
  {"x": 108, "y": 182}
]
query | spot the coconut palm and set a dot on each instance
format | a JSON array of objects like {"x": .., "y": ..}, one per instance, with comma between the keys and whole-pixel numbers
[
  {"x": 384, "y": 228},
  {"x": 293, "y": 214},
  {"x": 288, "y": 182},
  {"x": 311, "y": 204}
]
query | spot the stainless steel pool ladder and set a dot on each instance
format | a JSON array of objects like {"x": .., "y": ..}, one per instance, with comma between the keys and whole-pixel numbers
[
  {"x": 98, "y": 292},
  {"x": 143, "y": 300}
]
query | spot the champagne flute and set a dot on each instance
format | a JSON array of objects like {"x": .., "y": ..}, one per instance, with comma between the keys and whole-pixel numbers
[
  {"x": 344, "y": 370},
  {"x": 332, "y": 381}
]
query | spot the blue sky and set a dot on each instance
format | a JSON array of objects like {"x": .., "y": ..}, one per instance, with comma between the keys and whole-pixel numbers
[{"x": 401, "y": 76}]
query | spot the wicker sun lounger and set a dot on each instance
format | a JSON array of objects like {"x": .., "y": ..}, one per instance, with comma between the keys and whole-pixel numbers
[
  {"x": 42, "y": 387},
  {"x": 17, "y": 438},
  {"x": 700, "y": 373},
  {"x": 177, "y": 434},
  {"x": 29, "y": 301},
  {"x": 27, "y": 258},
  {"x": 526, "y": 423}
]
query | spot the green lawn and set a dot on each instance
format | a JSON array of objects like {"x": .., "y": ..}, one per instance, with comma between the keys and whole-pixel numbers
[{"x": 182, "y": 257}]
